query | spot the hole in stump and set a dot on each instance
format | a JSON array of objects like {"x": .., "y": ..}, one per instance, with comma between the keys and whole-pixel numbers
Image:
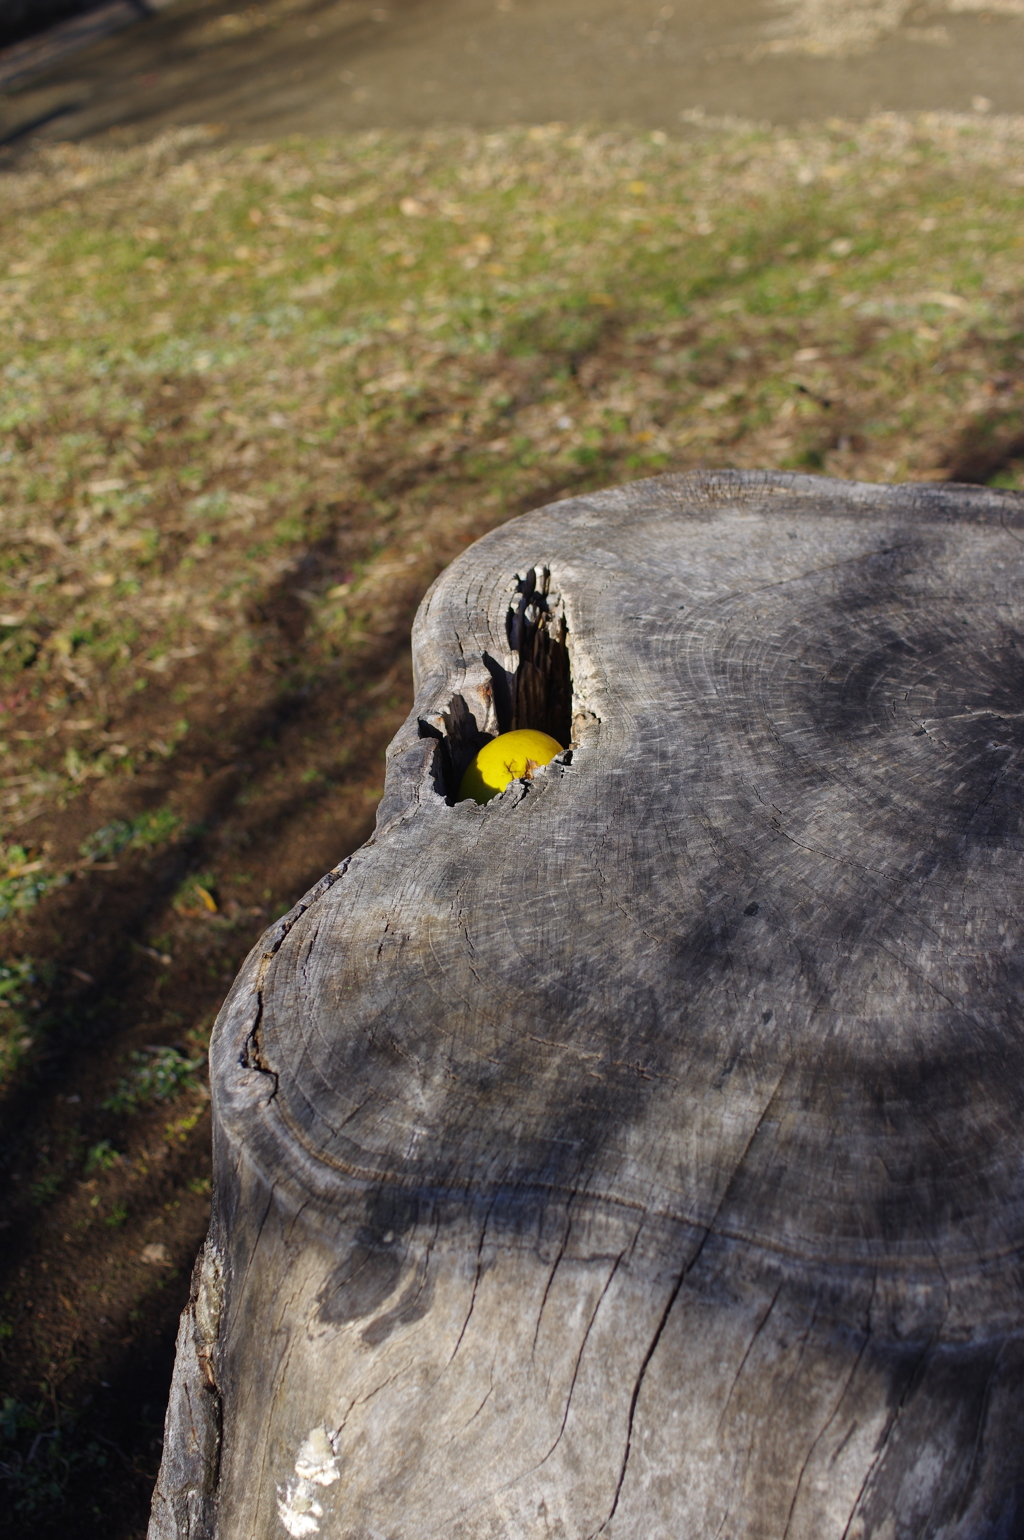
[{"x": 537, "y": 693}]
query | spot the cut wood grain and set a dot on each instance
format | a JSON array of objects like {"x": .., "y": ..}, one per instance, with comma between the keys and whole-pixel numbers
[{"x": 641, "y": 1155}]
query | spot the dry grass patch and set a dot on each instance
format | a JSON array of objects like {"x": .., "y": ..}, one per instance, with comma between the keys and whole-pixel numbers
[
  {"x": 252, "y": 401},
  {"x": 252, "y": 388}
]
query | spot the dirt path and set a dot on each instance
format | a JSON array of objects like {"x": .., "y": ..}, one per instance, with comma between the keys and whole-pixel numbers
[{"x": 284, "y": 66}]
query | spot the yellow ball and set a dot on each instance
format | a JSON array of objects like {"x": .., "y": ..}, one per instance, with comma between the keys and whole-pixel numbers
[{"x": 506, "y": 758}]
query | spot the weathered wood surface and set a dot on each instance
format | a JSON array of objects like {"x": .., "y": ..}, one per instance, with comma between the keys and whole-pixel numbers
[{"x": 642, "y": 1155}]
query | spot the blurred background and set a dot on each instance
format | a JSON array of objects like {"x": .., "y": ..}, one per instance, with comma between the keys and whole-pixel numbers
[
  {"x": 315, "y": 66},
  {"x": 296, "y": 300}
]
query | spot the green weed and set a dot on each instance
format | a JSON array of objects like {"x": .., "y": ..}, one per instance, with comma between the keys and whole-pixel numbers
[
  {"x": 158, "y": 1075},
  {"x": 24, "y": 881},
  {"x": 146, "y": 832},
  {"x": 16, "y": 1037},
  {"x": 195, "y": 896},
  {"x": 101, "y": 1157},
  {"x": 15, "y": 979},
  {"x": 38, "y": 1458},
  {"x": 46, "y": 1188}
]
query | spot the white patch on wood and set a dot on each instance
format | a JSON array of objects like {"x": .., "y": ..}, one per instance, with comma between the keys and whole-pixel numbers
[
  {"x": 298, "y": 1511},
  {"x": 316, "y": 1464},
  {"x": 316, "y": 1460}
]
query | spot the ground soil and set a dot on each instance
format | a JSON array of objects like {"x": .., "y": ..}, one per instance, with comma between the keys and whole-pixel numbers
[
  {"x": 315, "y": 66},
  {"x": 96, "y": 1265}
]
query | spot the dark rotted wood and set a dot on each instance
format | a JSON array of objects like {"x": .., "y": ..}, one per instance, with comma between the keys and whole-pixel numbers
[{"x": 641, "y": 1155}]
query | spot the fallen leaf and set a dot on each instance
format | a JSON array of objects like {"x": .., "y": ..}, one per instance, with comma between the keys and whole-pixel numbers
[
  {"x": 951, "y": 301},
  {"x": 393, "y": 381},
  {"x": 25, "y": 870}
]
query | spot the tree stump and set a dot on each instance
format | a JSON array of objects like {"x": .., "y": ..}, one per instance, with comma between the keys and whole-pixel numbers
[{"x": 640, "y": 1155}]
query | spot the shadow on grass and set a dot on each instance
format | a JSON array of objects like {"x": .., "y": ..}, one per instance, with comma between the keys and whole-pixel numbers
[
  {"x": 275, "y": 781},
  {"x": 126, "y": 967},
  {"x": 988, "y": 448}
]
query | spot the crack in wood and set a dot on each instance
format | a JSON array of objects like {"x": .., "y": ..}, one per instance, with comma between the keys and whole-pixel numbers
[{"x": 834, "y": 1413}]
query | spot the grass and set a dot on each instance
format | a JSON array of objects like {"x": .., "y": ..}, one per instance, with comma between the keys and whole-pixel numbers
[
  {"x": 249, "y": 389},
  {"x": 100, "y": 1157},
  {"x": 251, "y": 401},
  {"x": 157, "y": 1075},
  {"x": 39, "y": 1456},
  {"x": 16, "y": 1030},
  {"x": 24, "y": 881},
  {"x": 146, "y": 832}
]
